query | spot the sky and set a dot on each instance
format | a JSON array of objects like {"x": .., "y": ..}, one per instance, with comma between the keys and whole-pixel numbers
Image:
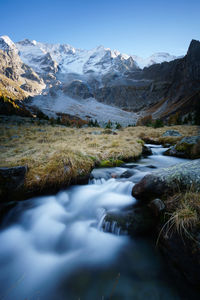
[{"x": 141, "y": 27}]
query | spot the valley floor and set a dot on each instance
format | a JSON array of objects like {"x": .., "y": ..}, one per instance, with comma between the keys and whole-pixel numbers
[{"x": 57, "y": 155}]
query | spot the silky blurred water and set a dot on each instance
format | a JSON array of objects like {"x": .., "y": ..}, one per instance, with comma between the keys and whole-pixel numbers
[{"x": 53, "y": 247}]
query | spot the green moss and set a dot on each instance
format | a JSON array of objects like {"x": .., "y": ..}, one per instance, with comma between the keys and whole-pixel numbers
[
  {"x": 105, "y": 164},
  {"x": 141, "y": 142},
  {"x": 95, "y": 159},
  {"x": 118, "y": 162},
  {"x": 111, "y": 163},
  {"x": 185, "y": 147}
]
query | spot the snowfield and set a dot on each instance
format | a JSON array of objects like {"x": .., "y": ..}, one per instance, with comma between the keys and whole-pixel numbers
[{"x": 84, "y": 108}]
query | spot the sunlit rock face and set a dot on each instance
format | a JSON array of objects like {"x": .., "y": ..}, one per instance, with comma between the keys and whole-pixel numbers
[{"x": 18, "y": 73}]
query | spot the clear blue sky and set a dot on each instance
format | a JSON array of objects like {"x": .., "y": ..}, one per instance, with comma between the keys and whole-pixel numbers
[{"x": 139, "y": 27}]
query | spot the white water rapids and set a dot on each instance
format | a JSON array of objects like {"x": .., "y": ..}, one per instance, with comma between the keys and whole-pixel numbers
[{"x": 53, "y": 247}]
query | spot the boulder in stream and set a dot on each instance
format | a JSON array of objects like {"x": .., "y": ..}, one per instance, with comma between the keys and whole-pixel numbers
[
  {"x": 188, "y": 147},
  {"x": 167, "y": 180}
]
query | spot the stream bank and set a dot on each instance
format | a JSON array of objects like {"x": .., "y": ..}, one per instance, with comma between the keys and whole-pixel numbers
[{"x": 60, "y": 246}]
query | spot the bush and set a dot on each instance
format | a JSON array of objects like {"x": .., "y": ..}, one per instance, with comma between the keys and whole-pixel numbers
[
  {"x": 175, "y": 119},
  {"x": 158, "y": 123},
  {"x": 108, "y": 125},
  {"x": 145, "y": 121},
  {"x": 92, "y": 123},
  {"x": 118, "y": 125}
]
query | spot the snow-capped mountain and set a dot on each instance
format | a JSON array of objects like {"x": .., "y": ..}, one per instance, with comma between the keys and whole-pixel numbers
[
  {"x": 156, "y": 58},
  {"x": 7, "y": 45},
  {"x": 59, "y": 73},
  {"x": 42, "y": 57},
  {"x": 70, "y": 60}
]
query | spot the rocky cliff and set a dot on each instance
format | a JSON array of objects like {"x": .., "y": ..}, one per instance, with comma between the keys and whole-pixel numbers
[
  {"x": 17, "y": 80},
  {"x": 161, "y": 89}
]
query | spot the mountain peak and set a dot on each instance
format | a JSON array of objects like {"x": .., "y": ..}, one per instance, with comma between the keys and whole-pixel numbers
[
  {"x": 194, "y": 47},
  {"x": 27, "y": 42},
  {"x": 193, "y": 53},
  {"x": 6, "y": 44}
]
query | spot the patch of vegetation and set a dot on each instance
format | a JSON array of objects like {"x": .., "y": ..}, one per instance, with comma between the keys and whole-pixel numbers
[
  {"x": 183, "y": 213},
  {"x": 108, "y": 125},
  {"x": 111, "y": 163},
  {"x": 92, "y": 123},
  {"x": 175, "y": 119},
  {"x": 118, "y": 126},
  {"x": 140, "y": 142},
  {"x": 150, "y": 122}
]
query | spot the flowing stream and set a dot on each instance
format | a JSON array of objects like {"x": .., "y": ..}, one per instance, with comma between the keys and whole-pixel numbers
[{"x": 56, "y": 247}]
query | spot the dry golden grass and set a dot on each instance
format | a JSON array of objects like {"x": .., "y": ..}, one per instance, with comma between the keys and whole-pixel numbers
[
  {"x": 58, "y": 154},
  {"x": 183, "y": 214}
]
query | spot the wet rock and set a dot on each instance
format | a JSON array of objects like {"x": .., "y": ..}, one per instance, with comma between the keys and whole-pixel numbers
[
  {"x": 129, "y": 165},
  {"x": 105, "y": 173},
  {"x": 151, "y": 167},
  {"x": 171, "y": 133},
  {"x": 136, "y": 222},
  {"x": 188, "y": 147},
  {"x": 146, "y": 151},
  {"x": 167, "y": 180},
  {"x": 157, "y": 206},
  {"x": 11, "y": 181},
  {"x": 127, "y": 174}
]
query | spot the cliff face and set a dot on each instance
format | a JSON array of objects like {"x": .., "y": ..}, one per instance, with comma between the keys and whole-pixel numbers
[
  {"x": 17, "y": 80},
  {"x": 162, "y": 89},
  {"x": 183, "y": 76}
]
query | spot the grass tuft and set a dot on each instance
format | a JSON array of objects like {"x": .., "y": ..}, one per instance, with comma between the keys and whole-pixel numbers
[{"x": 183, "y": 214}]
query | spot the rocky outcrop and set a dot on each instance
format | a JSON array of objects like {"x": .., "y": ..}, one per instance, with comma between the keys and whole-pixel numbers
[
  {"x": 161, "y": 89},
  {"x": 188, "y": 147},
  {"x": 78, "y": 90},
  {"x": 167, "y": 180},
  {"x": 16, "y": 71}
]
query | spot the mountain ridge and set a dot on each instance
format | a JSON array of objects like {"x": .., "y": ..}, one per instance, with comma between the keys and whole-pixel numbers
[{"x": 107, "y": 76}]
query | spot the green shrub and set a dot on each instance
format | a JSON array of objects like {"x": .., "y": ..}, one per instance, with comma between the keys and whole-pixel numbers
[
  {"x": 109, "y": 125},
  {"x": 158, "y": 123},
  {"x": 118, "y": 125}
]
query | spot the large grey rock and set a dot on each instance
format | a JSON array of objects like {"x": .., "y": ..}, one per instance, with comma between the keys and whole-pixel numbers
[
  {"x": 190, "y": 140},
  {"x": 168, "y": 179},
  {"x": 188, "y": 147}
]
